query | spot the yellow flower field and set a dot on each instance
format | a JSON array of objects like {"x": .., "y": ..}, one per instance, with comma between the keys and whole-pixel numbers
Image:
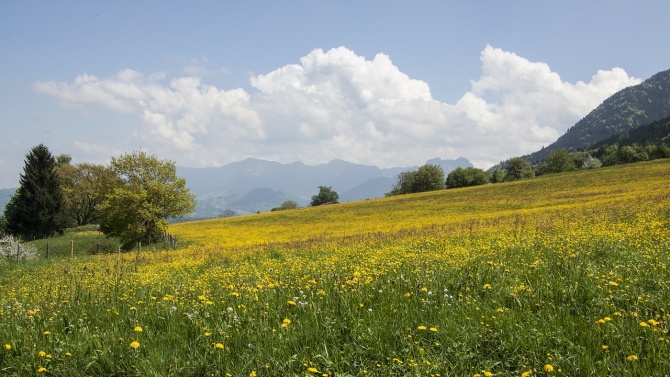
[{"x": 549, "y": 276}]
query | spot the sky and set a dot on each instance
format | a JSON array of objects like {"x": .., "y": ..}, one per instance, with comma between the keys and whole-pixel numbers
[{"x": 385, "y": 83}]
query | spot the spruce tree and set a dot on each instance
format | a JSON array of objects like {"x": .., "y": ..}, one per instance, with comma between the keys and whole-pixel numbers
[{"x": 37, "y": 209}]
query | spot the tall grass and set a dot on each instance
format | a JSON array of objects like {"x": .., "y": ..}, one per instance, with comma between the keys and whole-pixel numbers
[{"x": 564, "y": 275}]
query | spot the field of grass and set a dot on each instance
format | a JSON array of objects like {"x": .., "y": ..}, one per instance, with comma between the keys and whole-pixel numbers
[{"x": 563, "y": 275}]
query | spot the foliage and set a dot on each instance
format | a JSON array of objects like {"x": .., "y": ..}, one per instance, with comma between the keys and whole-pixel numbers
[
  {"x": 228, "y": 213},
  {"x": 289, "y": 204},
  {"x": 497, "y": 175},
  {"x": 426, "y": 178},
  {"x": 591, "y": 163},
  {"x": 559, "y": 160},
  {"x": 11, "y": 246},
  {"x": 518, "y": 168},
  {"x": 84, "y": 188},
  {"x": 146, "y": 193},
  {"x": 326, "y": 195},
  {"x": 561, "y": 273},
  {"x": 470, "y": 176},
  {"x": 37, "y": 209}
]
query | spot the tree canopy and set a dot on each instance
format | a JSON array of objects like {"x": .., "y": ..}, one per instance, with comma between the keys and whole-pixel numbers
[
  {"x": 518, "y": 168},
  {"x": 84, "y": 187},
  {"x": 427, "y": 178},
  {"x": 37, "y": 209},
  {"x": 326, "y": 195},
  {"x": 146, "y": 192},
  {"x": 460, "y": 177}
]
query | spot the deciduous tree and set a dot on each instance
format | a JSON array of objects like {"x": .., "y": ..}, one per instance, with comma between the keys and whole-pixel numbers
[
  {"x": 326, "y": 195},
  {"x": 146, "y": 193}
]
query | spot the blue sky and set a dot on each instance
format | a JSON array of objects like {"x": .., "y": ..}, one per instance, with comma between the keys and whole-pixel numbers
[{"x": 385, "y": 83}]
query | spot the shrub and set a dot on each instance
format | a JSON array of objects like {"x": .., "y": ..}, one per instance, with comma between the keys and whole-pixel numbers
[{"x": 10, "y": 246}]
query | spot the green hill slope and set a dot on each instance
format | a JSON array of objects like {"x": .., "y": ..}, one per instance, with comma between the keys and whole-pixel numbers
[{"x": 624, "y": 111}]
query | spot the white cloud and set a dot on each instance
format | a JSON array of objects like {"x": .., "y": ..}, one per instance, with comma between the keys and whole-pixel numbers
[{"x": 336, "y": 104}]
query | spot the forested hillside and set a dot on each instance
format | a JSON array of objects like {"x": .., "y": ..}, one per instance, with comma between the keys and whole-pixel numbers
[{"x": 626, "y": 110}]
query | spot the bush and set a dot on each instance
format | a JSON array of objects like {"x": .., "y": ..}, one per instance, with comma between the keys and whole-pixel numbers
[{"x": 9, "y": 246}]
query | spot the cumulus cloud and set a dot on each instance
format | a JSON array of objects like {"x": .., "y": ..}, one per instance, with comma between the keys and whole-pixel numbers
[{"x": 337, "y": 104}]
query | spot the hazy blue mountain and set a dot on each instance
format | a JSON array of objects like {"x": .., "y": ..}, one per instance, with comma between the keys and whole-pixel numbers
[
  {"x": 624, "y": 111},
  {"x": 5, "y": 195},
  {"x": 254, "y": 185}
]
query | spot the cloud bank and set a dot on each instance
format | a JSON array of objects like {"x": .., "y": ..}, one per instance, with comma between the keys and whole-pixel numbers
[{"x": 336, "y": 104}]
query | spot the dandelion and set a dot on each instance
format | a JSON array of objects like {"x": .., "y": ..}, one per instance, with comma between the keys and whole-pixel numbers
[
  {"x": 252, "y": 374},
  {"x": 42, "y": 353},
  {"x": 548, "y": 368},
  {"x": 218, "y": 346},
  {"x": 68, "y": 354},
  {"x": 526, "y": 374},
  {"x": 285, "y": 323},
  {"x": 47, "y": 332},
  {"x": 312, "y": 370},
  {"x": 41, "y": 370},
  {"x": 488, "y": 374},
  {"x": 135, "y": 344},
  {"x": 632, "y": 358},
  {"x": 605, "y": 347},
  {"x": 433, "y": 329},
  {"x": 422, "y": 328},
  {"x": 487, "y": 287},
  {"x": 8, "y": 347},
  {"x": 137, "y": 329},
  {"x": 208, "y": 334},
  {"x": 291, "y": 303},
  {"x": 643, "y": 324}
]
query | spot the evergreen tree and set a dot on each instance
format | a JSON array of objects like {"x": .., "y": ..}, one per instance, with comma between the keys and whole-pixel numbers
[{"x": 37, "y": 209}]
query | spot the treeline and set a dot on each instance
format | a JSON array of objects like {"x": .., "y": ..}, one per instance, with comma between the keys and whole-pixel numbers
[
  {"x": 432, "y": 177},
  {"x": 130, "y": 199}
]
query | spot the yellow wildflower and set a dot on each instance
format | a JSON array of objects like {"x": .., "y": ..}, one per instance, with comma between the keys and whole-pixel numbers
[
  {"x": 135, "y": 344},
  {"x": 41, "y": 370},
  {"x": 421, "y": 327},
  {"x": 8, "y": 347},
  {"x": 137, "y": 329},
  {"x": 548, "y": 368},
  {"x": 632, "y": 358},
  {"x": 218, "y": 346}
]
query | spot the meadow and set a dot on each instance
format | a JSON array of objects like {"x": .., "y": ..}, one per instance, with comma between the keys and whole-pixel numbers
[{"x": 562, "y": 275}]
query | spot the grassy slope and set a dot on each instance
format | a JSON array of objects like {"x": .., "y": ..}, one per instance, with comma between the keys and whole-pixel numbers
[
  {"x": 556, "y": 273},
  {"x": 443, "y": 208}
]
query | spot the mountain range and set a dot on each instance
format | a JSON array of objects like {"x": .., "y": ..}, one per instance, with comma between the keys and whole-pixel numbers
[{"x": 254, "y": 185}]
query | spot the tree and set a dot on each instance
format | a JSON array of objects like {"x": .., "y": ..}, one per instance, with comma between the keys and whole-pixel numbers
[
  {"x": 84, "y": 188},
  {"x": 466, "y": 177},
  {"x": 591, "y": 163},
  {"x": 559, "y": 160},
  {"x": 145, "y": 194},
  {"x": 497, "y": 176},
  {"x": 228, "y": 213},
  {"x": 37, "y": 209},
  {"x": 325, "y": 196},
  {"x": 518, "y": 168},
  {"x": 427, "y": 178},
  {"x": 289, "y": 204}
]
